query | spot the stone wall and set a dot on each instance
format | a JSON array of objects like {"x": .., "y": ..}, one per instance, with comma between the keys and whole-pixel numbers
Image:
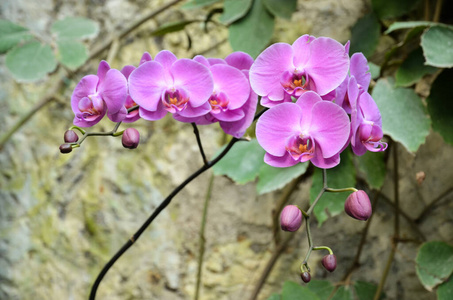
[{"x": 63, "y": 216}]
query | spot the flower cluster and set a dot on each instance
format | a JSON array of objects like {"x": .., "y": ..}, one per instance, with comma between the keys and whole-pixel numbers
[
  {"x": 200, "y": 90},
  {"x": 310, "y": 87}
]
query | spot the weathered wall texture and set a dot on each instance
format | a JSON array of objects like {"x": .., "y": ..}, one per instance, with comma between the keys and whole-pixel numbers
[{"x": 63, "y": 216}]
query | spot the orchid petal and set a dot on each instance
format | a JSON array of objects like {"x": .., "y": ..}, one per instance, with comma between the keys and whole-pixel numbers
[
  {"x": 145, "y": 58},
  {"x": 306, "y": 103},
  {"x": 193, "y": 112},
  {"x": 127, "y": 70},
  {"x": 369, "y": 109},
  {"x": 158, "y": 114},
  {"x": 103, "y": 68},
  {"x": 216, "y": 61},
  {"x": 202, "y": 60},
  {"x": 239, "y": 60},
  {"x": 302, "y": 51},
  {"x": 86, "y": 86},
  {"x": 360, "y": 70},
  {"x": 114, "y": 90},
  {"x": 280, "y": 161},
  {"x": 119, "y": 116},
  {"x": 232, "y": 82}
]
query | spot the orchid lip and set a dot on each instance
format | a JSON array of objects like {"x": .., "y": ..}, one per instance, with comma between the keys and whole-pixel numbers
[
  {"x": 301, "y": 147},
  {"x": 175, "y": 100},
  {"x": 294, "y": 83},
  {"x": 219, "y": 102}
]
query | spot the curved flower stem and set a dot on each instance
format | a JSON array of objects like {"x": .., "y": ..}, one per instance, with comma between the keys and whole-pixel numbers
[
  {"x": 200, "y": 146},
  {"x": 202, "y": 239},
  {"x": 159, "y": 209},
  {"x": 349, "y": 189}
]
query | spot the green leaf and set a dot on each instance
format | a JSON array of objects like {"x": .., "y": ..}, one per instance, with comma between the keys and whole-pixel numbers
[
  {"x": 372, "y": 165},
  {"x": 282, "y": 9},
  {"x": 343, "y": 293},
  {"x": 375, "y": 70},
  {"x": 434, "y": 263},
  {"x": 233, "y": 10},
  {"x": 413, "y": 69},
  {"x": 271, "y": 178},
  {"x": 172, "y": 27},
  {"x": 274, "y": 297},
  {"x": 252, "y": 33},
  {"x": 71, "y": 53},
  {"x": 31, "y": 61},
  {"x": 342, "y": 176},
  {"x": 445, "y": 290},
  {"x": 440, "y": 105},
  {"x": 322, "y": 288},
  {"x": 75, "y": 28},
  {"x": 386, "y": 9},
  {"x": 12, "y": 34},
  {"x": 242, "y": 163},
  {"x": 365, "y": 35},
  {"x": 403, "y": 114},
  {"x": 365, "y": 290},
  {"x": 198, "y": 4},
  {"x": 294, "y": 291},
  {"x": 407, "y": 25},
  {"x": 437, "y": 44}
]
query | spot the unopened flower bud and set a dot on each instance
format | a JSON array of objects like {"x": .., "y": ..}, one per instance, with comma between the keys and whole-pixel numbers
[
  {"x": 358, "y": 206},
  {"x": 329, "y": 262},
  {"x": 291, "y": 218},
  {"x": 306, "y": 277},
  {"x": 65, "y": 148},
  {"x": 131, "y": 138},
  {"x": 70, "y": 136}
]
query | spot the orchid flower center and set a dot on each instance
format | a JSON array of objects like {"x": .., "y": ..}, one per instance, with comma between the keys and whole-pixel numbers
[
  {"x": 371, "y": 135},
  {"x": 90, "y": 107},
  {"x": 219, "y": 102},
  {"x": 294, "y": 83},
  {"x": 175, "y": 100},
  {"x": 300, "y": 147}
]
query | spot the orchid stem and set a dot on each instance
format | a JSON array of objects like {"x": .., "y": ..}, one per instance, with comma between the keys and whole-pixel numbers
[{"x": 200, "y": 145}]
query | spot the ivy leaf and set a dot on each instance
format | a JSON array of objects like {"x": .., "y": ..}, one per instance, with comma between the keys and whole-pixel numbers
[
  {"x": 294, "y": 291},
  {"x": 440, "y": 106},
  {"x": 365, "y": 290},
  {"x": 247, "y": 158},
  {"x": 407, "y": 25},
  {"x": 445, "y": 290},
  {"x": 234, "y": 10},
  {"x": 365, "y": 35},
  {"x": 343, "y": 293},
  {"x": 437, "y": 44},
  {"x": 372, "y": 165},
  {"x": 274, "y": 297},
  {"x": 386, "y": 9},
  {"x": 252, "y": 33},
  {"x": 403, "y": 114},
  {"x": 283, "y": 9},
  {"x": 198, "y": 3},
  {"x": 375, "y": 70},
  {"x": 434, "y": 263},
  {"x": 322, "y": 288},
  {"x": 413, "y": 69},
  {"x": 75, "y": 28},
  {"x": 71, "y": 53},
  {"x": 31, "y": 61},
  {"x": 172, "y": 27},
  {"x": 342, "y": 176},
  {"x": 11, "y": 34},
  {"x": 271, "y": 178}
]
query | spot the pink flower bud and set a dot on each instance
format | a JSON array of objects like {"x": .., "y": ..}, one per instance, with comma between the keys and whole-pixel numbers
[
  {"x": 70, "y": 136},
  {"x": 306, "y": 277},
  {"x": 358, "y": 206},
  {"x": 131, "y": 138},
  {"x": 65, "y": 148},
  {"x": 329, "y": 262},
  {"x": 291, "y": 218}
]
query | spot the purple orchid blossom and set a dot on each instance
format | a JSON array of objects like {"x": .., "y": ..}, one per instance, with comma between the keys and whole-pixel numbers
[
  {"x": 310, "y": 129},
  {"x": 366, "y": 126},
  {"x": 353, "y": 85},
  {"x": 123, "y": 115},
  {"x": 167, "y": 84},
  {"x": 94, "y": 95},
  {"x": 309, "y": 64}
]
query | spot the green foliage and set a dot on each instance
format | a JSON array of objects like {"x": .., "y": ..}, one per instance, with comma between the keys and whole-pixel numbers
[
  {"x": 252, "y": 33},
  {"x": 440, "y": 106},
  {"x": 198, "y": 3},
  {"x": 403, "y": 114},
  {"x": 271, "y": 178},
  {"x": 375, "y": 70},
  {"x": 434, "y": 263},
  {"x": 75, "y": 28},
  {"x": 71, "y": 53},
  {"x": 365, "y": 35},
  {"x": 282, "y": 9},
  {"x": 372, "y": 165},
  {"x": 234, "y": 10},
  {"x": 274, "y": 297},
  {"x": 445, "y": 290},
  {"x": 322, "y": 288},
  {"x": 413, "y": 69},
  {"x": 386, "y": 9},
  {"x": 437, "y": 44},
  {"x": 365, "y": 290},
  {"x": 11, "y": 34},
  {"x": 294, "y": 291},
  {"x": 332, "y": 204},
  {"x": 408, "y": 25},
  {"x": 171, "y": 27},
  {"x": 31, "y": 61},
  {"x": 343, "y": 293}
]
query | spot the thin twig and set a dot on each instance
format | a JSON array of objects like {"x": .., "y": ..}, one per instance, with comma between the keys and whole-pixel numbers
[
  {"x": 430, "y": 206},
  {"x": 200, "y": 145},
  {"x": 396, "y": 234},
  {"x": 438, "y": 10},
  {"x": 202, "y": 239}
]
